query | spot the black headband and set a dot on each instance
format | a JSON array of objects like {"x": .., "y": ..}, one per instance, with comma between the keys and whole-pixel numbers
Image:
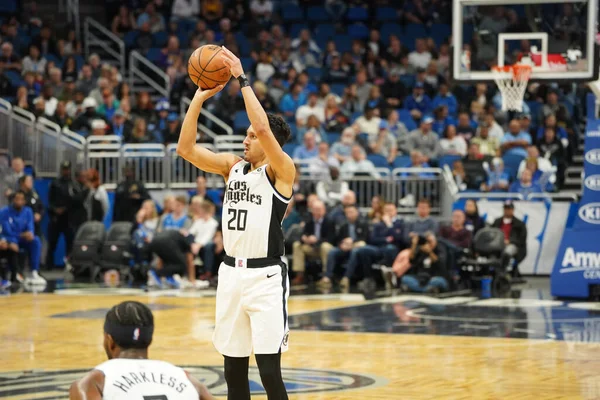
[{"x": 129, "y": 335}]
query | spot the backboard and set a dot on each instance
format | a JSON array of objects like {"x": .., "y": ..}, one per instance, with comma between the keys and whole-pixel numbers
[{"x": 557, "y": 38}]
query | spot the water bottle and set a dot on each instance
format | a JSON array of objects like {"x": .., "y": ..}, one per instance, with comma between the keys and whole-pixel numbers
[{"x": 486, "y": 287}]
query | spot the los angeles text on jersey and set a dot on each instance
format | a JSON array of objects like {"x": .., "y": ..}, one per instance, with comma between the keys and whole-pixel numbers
[
  {"x": 125, "y": 383},
  {"x": 238, "y": 191}
]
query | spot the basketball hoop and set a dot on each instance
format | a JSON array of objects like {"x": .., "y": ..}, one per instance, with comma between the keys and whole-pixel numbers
[{"x": 512, "y": 82}]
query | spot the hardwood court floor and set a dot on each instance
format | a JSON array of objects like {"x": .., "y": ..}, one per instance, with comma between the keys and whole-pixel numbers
[{"x": 49, "y": 332}]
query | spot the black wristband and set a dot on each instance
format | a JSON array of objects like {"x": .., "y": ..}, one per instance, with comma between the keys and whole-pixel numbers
[{"x": 243, "y": 81}]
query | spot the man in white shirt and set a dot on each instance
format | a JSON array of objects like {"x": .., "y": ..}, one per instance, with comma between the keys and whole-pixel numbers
[
  {"x": 543, "y": 164},
  {"x": 310, "y": 108},
  {"x": 495, "y": 130},
  {"x": 368, "y": 123},
  {"x": 419, "y": 58},
  {"x": 261, "y": 8},
  {"x": 358, "y": 164},
  {"x": 185, "y": 9}
]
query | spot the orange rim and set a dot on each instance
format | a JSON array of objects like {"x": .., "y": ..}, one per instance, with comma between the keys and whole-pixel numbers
[{"x": 518, "y": 70}]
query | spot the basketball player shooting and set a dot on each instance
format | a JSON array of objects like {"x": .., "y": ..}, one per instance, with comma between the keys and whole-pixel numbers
[
  {"x": 128, "y": 373},
  {"x": 251, "y": 311}
]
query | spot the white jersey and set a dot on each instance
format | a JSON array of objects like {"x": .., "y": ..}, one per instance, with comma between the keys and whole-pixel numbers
[
  {"x": 137, "y": 379},
  {"x": 252, "y": 214}
]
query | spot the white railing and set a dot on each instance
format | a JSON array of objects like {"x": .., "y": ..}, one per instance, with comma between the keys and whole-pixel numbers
[
  {"x": 184, "y": 104},
  {"x": 96, "y": 35},
  {"x": 140, "y": 67},
  {"x": 5, "y": 124}
]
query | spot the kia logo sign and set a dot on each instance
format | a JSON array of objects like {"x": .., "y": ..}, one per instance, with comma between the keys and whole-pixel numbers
[
  {"x": 590, "y": 213},
  {"x": 593, "y": 134},
  {"x": 592, "y": 182},
  {"x": 593, "y": 156}
]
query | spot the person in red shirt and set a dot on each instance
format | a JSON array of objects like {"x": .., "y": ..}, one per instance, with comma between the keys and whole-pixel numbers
[
  {"x": 456, "y": 233},
  {"x": 515, "y": 238}
]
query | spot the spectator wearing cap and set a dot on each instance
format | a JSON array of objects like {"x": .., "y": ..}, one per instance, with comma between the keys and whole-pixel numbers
[
  {"x": 34, "y": 62},
  {"x": 98, "y": 127},
  {"x": 83, "y": 123},
  {"x": 525, "y": 185},
  {"x": 446, "y": 98},
  {"x": 358, "y": 165},
  {"x": 420, "y": 57},
  {"x": 515, "y": 141},
  {"x": 310, "y": 108},
  {"x": 68, "y": 92},
  {"x": 425, "y": 140},
  {"x": 86, "y": 81},
  {"x": 515, "y": 238},
  {"x": 368, "y": 123},
  {"x": 109, "y": 104},
  {"x": 171, "y": 133},
  {"x": 121, "y": 126},
  {"x": 419, "y": 104}
]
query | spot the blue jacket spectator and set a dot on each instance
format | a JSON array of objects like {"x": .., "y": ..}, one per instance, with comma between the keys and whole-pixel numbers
[
  {"x": 418, "y": 101},
  {"x": 515, "y": 141},
  {"x": 526, "y": 186},
  {"x": 445, "y": 98},
  {"x": 18, "y": 226},
  {"x": 290, "y": 102},
  {"x": 388, "y": 231}
]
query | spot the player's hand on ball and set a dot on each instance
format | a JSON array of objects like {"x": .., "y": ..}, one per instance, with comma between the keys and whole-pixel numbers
[
  {"x": 205, "y": 94},
  {"x": 234, "y": 63}
]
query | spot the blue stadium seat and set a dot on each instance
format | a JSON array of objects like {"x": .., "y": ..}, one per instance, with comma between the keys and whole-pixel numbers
[
  {"x": 14, "y": 78},
  {"x": 243, "y": 44},
  {"x": 153, "y": 54},
  {"x": 333, "y": 137},
  {"x": 247, "y": 63},
  {"x": 534, "y": 110},
  {"x": 388, "y": 29},
  {"x": 378, "y": 160},
  {"x": 130, "y": 38},
  {"x": 295, "y": 29},
  {"x": 326, "y": 30},
  {"x": 241, "y": 121},
  {"x": 440, "y": 33},
  {"x": 289, "y": 148},
  {"x": 8, "y": 6},
  {"x": 401, "y": 162},
  {"x": 291, "y": 12},
  {"x": 511, "y": 164},
  {"x": 355, "y": 116},
  {"x": 448, "y": 160},
  {"x": 407, "y": 119},
  {"x": 317, "y": 14},
  {"x": 407, "y": 80},
  {"x": 159, "y": 39},
  {"x": 386, "y": 14},
  {"x": 357, "y": 14},
  {"x": 314, "y": 73},
  {"x": 57, "y": 61},
  {"x": 343, "y": 43},
  {"x": 414, "y": 31},
  {"x": 358, "y": 31},
  {"x": 338, "y": 88}
]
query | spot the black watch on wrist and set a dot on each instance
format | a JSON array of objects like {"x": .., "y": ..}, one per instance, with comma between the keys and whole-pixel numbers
[{"x": 243, "y": 81}]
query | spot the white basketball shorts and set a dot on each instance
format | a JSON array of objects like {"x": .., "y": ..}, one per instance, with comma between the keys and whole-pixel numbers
[{"x": 251, "y": 311}]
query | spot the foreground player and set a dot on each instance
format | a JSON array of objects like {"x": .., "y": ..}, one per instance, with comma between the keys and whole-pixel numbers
[
  {"x": 128, "y": 374},
  {"x": 252, "y": 294}
]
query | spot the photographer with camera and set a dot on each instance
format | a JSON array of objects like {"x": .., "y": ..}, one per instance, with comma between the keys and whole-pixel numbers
[{"x": 427, "y": 272}]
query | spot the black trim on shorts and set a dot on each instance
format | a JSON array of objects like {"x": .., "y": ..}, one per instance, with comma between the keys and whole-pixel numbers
[
  {"x": 284, "y": 271},
  {"x": 254, "y": 262}
]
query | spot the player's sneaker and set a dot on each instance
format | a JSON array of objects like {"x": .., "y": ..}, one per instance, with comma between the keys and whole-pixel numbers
[
  {"x": 183, "y": 282},
  {"x": 171, "y": 281},
  {"x": 198, "y": 284},
  {"x": 153, "y": 279},
  {"x": 20, "y": 278},
  {"x": 37, "y": 279},
  {"x": 5, "y": 284}
]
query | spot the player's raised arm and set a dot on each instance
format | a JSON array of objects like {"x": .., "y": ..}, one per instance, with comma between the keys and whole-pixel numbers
[
  {"x": 279, "y": 161},
  {"x": 187, "y": 148}
]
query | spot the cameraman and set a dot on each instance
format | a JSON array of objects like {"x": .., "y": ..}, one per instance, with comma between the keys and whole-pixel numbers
[{"x": 427, "y": 271}]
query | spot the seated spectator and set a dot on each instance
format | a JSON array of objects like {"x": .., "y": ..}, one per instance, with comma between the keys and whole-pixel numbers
[
  {"x": 525, "y": 185},
  {"x": 98, "y": 128},
  {"x": 50, "y": 102},
  {"x": 352, "y": 234},
  {"x": 266, "y": 100},
  {"x": 456, "y": 233},
  {"x": 308, "y": 149},
  {"x": 204, "y": 227},
  {"x": 515, "y": 238},
  {"x": 22, "y": 99},
  {"x": 140, "y": 133},
  {"x": 427, "y": 272},
  {"x": 124, "y": 22},
  {"x": 420, "y": 57},
  {"x": 146, "y": 223},
  {"x": 129, "y": 196},
  {"x": 332, "y": 190},
  {"x": 393, "y": 90},
  {"x": 368, "y": 123},
  {"x": 144, "y": 107},
  {"x": 341, "y": 150},
  {"x": 384, "y": 144},
  {"x": 452, "y": 144},
  {"x": 39, "y": 107},
  {"x": 9, "y": 60},
  {"x": 155, "y": 20},
  {"x": 514, "y": 141},
  {"x": 552, "y": 106},
  {"x": 488, "y": 146},
  {"x": 18, "y": 228},
  {"x": 96, "y": 203},
  {"x": 261, "y": 9},
  {"x": 473, "y": 222},
  {"x": 83, "y": 122},
  {"x": 542, "y": 165},
  {"x": 495, "y": 130},
  {"x": 552, "y": 149},
  {"x": 33, "y": 201},
  {"x": 425, "y": 140},
  {"x": 419, "y": 104},
  {"x": 121, "y": 126},
  {"x": 465, "y": 127},
  {"x": 170, "y": 56},
  {"x": 441, "y": 120},
  {"x": 385, "y": 241},
  {"x": 177, "y": 219},
  {"x": 313, "y": 125},
  {"x": 11, "y": 179},
  {"x": 498, "y": 180},
  {"x": 319, "y": 165},
  {"x": 358, "y": 164},
  {"x": 550, "y": 122},
  {"x": 447, "y": 99},
  {"x": 417, "y": 161},
  {"x": 397, "y": 128},
  {"x": 86, "y": 81},
  {"x": 292, "y": 101},
  {"x": 10, "y": 253},
  {"x": 109, "y": 104},
  {"x": 34, "y": 62},
  {"x": 376, "y": 212},
  {"x": 349, "y": 103},
  {"x": 363, "y": 86},
  {"x": 45, "y": 41},
  {"x": 423, "y": 223},
  {"x": 171, "y": 133},
  {"x": 460, "y": 176},
  {"x": 303, "y": 58},
  {"x": 335, "y": 73},
  {"x": 204, "y": 194},
  {"x": 376, "y": 100},
  {"x": 315, "y": 241},
  {"x": 68, "y": 91}
]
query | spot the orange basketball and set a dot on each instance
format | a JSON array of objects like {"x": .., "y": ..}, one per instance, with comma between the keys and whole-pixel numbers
[{"x": 206, "y": 68}]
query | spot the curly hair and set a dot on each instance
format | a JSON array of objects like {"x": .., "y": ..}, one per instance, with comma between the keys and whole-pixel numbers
[{"x": 280, "y": 129}]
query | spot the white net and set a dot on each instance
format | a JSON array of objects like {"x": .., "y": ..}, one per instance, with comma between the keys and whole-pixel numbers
[{"x": 512, "y": 82}]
